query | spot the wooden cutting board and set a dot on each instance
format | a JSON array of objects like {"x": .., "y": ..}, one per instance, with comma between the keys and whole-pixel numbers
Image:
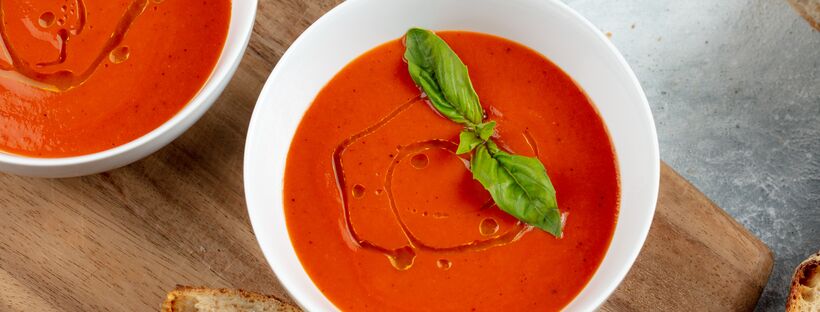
[{"x": 119, "y": 241}]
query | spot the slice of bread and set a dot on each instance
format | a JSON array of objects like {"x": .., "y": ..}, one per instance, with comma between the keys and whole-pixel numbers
[
  {"x": 200, "y": 299},
  {"x": 808, "y": 9},
  {"x": 805, "y": 291}
]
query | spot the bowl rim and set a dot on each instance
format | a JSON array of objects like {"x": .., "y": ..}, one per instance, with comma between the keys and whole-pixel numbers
[
  {"x": 211, "y": 87},
  {"x": 653, "y": 168}
]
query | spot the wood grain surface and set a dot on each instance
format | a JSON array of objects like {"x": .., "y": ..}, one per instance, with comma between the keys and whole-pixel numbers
[{"x": 119, "y": 241}]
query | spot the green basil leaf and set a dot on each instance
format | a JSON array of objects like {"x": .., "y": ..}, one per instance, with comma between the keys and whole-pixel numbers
[
  {"x": 519, "y": 186},
  {"x": 467, "y": 141},
  {"x": 438, "y": 71},
  {"x": 486, "y": 130},
  {"x": 470, "y": 139}
]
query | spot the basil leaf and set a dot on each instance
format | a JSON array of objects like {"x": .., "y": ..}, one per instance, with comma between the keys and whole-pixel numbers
[
  {"x": 437, "y": 70},
  {"x": 519, "y": 186},
  {"x": 470, "y": 139},
  {"x": 467, "y": 141},
  {"x": 486, "y": 130}
]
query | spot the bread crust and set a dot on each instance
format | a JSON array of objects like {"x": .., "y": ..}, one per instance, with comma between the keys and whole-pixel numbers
[
  {"x": 808, "y": 9},
  {"x": 173, "y": 299},
  {"x": 805, "y": 272}
]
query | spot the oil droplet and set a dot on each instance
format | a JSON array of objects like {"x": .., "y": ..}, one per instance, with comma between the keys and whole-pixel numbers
[
  {"x": 378, "y": 192},
  {"x": 63, "y": 8},
  {"x": 488, "y": 227},
  {"x": 119, "y": 55},
  {"x": 46, "y": 19},
  {"x": 402, "y": 258},
  {"x": 444, "y": 264},
  {"x": 358, "y": 191},
  {"x": 419, "y": 161},
  {"x": 60, "y": 21}
]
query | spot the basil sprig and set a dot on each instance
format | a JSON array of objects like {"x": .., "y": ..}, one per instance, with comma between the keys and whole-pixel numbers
[{"x": 519, "y": 185}]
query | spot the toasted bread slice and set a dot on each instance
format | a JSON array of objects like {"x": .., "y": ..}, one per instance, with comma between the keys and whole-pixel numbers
[
  {"x": 805, "y": 291},
  {"x": 809, "y": 9},
  {"x": 200, "y": 299}
]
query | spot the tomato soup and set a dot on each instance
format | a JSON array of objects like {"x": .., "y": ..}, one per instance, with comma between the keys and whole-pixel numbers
[
  {"x": 83, "y": 76},
  {"x": 385, "y": 217}
]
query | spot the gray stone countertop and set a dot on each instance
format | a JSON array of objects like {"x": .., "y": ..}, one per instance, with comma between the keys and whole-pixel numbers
[{"x": 734, "y": 86}]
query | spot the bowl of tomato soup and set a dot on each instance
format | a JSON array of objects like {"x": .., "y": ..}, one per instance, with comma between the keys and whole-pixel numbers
[
  {"x": 362, "y": 199},
  {"x": 89, "y": 85}
]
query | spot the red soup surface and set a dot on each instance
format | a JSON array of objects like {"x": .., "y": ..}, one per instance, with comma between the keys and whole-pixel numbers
[
  {"x": 385, "y": 217},
  {"x": 83, "y": 76}
]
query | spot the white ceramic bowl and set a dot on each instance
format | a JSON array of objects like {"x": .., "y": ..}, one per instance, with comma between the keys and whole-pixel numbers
[
  {"x": 243, "y": 13},
  {"x": 356, "y": 26}
]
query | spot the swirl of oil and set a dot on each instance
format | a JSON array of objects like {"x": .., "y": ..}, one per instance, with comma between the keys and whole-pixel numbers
[
  {"x": 403, "y": 258},
  {"x": 62, "y": 80}
]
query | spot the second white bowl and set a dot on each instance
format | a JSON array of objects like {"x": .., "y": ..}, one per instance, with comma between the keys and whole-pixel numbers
[{"x": 243, "y": 13}]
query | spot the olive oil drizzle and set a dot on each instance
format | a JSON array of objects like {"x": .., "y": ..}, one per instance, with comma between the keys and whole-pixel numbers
[
  {"x": 63, "y": 80},
  {"x": 402, "y": 258}
]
